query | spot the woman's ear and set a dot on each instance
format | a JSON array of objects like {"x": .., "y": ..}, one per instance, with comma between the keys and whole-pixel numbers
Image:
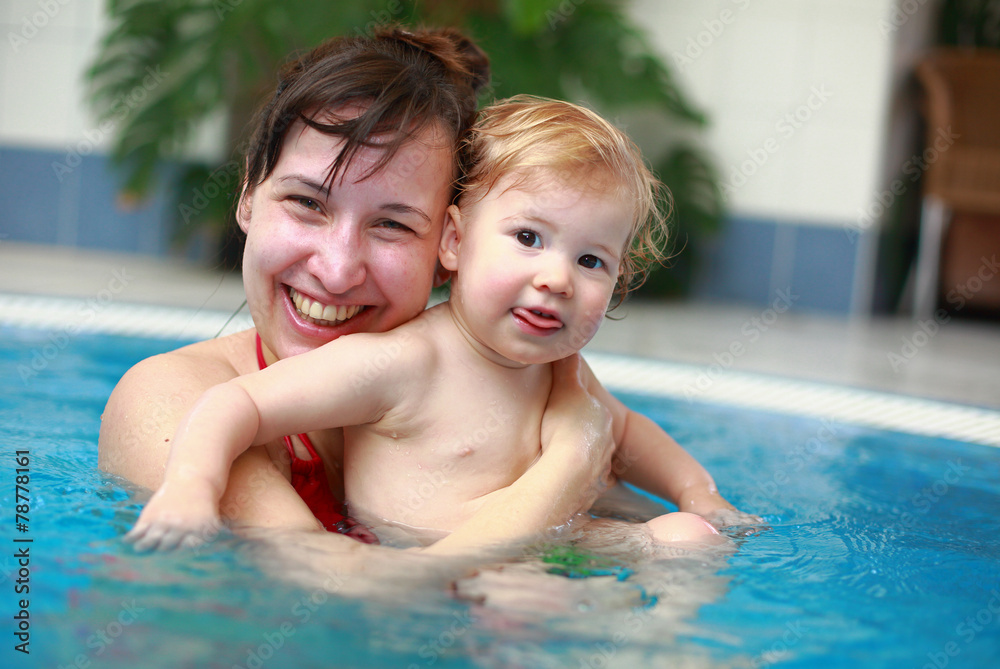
[
  {"x": 243, "y": 209},
  {"x": 451, "y": 239}
]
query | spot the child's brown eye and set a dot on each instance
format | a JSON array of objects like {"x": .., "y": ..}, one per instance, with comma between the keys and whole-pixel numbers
[
  {"x": 590, "y": 262},
  {"x": 528, "y": 238}
]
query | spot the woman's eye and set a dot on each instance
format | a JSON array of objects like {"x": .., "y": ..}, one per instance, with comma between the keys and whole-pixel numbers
[
  {"x": 591, "y": 262},
  {"x": 308, "y": 203},
  {"x": 394, "y": 225},
  {"x": 528, "y": 238}
]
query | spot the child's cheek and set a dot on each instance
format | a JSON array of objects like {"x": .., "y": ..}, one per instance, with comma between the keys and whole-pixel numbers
[{"x": 588, "y": 325}]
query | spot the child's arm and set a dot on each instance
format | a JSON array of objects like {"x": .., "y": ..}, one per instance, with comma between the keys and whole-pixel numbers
[
  {"x": 649, "y": 458},
  {"x": 307, "y": 392},
  {"x": 221, "y": 425}
]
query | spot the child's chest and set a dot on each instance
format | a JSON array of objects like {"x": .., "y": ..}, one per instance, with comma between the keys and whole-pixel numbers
[
  {"x": 488, "y": 425},
  {"x": 480, "y": 433}
]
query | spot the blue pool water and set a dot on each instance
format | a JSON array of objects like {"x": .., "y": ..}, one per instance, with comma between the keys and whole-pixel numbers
[{"x": 883, "y": 551}]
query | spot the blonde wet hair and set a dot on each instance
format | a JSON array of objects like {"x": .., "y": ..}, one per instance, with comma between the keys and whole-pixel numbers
[{"x": 535, "y": 137}]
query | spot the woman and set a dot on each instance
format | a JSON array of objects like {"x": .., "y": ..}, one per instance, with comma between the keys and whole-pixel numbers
[{"x": 351, "y": 167}]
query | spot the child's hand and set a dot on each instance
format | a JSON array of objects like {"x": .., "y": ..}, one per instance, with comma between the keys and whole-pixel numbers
[
  {"x": 171, "y": 520},
  {"x": 714, "y": 508},
  {"x": 745, "y": 523}
]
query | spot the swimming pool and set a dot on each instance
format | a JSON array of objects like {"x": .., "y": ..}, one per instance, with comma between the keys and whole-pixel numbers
[{"x": 883, "y": 551}]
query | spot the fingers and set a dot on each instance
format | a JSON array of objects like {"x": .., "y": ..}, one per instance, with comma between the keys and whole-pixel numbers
[
  {"x": 737, "y": 522},
  {"x": 167, "y": 536}
]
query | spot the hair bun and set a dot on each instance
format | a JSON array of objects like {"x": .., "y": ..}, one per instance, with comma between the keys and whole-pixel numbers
[{"x": 459, "y": 54}]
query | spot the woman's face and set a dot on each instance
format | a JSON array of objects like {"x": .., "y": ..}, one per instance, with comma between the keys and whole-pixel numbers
[{"x": 357, "y": 255}]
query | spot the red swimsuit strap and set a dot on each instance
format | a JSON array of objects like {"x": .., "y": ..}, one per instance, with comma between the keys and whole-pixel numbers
[{"x": 304, "y": 438}]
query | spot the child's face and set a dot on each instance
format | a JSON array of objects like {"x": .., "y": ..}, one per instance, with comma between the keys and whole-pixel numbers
[{"x": 536, "y": 265}]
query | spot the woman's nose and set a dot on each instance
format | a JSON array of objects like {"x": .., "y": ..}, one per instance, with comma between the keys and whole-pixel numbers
[{"x": 340, "y": 260}]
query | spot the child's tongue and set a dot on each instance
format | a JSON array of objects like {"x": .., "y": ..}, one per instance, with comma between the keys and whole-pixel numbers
[{"x": 537, "y": 320}]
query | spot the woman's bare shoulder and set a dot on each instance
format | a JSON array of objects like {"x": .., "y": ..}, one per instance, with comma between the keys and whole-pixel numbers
[
  {"x": 198, "y": 366},
  {"x": 148, "y": 402}
]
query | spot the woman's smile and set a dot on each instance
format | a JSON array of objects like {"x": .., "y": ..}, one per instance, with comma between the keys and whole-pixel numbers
[{"x": 322, "y": 314}]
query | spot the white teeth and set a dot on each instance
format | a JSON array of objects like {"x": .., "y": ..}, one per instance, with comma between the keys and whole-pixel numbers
[{"x": 318, "y": 311}]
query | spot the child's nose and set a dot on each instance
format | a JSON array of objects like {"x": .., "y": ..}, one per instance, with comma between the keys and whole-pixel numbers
[{"x": 555, "y": 277}]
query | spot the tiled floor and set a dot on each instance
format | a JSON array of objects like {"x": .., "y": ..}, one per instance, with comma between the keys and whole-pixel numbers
[{"x": 957, "y": 361}]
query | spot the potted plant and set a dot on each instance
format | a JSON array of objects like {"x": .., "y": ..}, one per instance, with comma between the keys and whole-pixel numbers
[{"x": 219, "y": 57}]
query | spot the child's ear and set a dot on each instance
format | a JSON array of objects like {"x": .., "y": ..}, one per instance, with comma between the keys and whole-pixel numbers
[
  {"x": 451, "y": 239},
  {"x": 441, "y": 275}
]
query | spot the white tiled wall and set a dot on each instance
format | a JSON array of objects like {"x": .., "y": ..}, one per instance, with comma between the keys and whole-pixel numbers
[
  {"x": 755, "y": 62},
  {"x": 46, "y": 47}
]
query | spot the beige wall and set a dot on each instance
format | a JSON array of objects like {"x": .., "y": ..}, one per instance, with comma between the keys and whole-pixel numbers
[{"x": 798, "y": 92}]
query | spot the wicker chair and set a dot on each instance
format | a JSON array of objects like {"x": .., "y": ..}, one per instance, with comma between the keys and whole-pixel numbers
[{"x": 962, "y": 157}]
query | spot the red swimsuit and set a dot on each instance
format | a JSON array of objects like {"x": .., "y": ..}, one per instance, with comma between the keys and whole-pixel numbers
[{"x": 310, "y": 481}]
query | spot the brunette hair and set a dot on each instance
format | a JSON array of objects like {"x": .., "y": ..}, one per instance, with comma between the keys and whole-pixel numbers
[
  {"x": 401, "y": 81},
  {"x": 531, "y": 137}
]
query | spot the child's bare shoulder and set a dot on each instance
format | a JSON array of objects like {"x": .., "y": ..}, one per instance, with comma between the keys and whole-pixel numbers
[{"x": 414, "y": 344}]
